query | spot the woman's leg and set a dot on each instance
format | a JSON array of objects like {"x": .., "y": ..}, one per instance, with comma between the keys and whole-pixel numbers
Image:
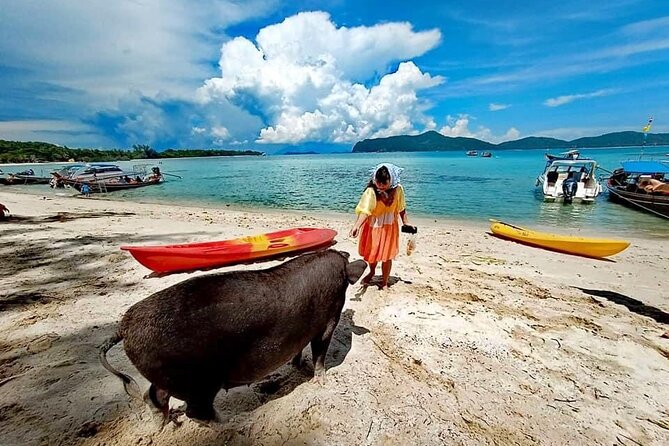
[
  {"x": 368, "y": 278},
  {"x": 385, "y": 270}
]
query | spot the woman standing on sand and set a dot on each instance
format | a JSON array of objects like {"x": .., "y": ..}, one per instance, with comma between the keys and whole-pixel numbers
[{"x": 381, "y": 204}]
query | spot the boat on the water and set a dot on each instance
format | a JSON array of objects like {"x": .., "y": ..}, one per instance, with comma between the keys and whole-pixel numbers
[
  {"x": 486, "y": 154},
  {"x": 642, "y": 185},
  {"x": 25, "y": 177},
  {"x": 569, "y": 178},
  {"x": 102, "y": 178},
  {"x": 472, "y": 153},
  {"x": 583, "y": 246},
  {"x": 569, "y": 155},
  {"x": 191, "y": 256},
  {"x": 86, "y": 172}
]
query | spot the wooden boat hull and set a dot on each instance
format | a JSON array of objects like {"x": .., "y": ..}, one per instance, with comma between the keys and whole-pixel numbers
[
  {"x": 192, "y": 256},
  {"x": 103, "y": 187},
  {"x": 23, "y": 179},
  {"x": 583, "y": 246},
  {"x": 656, "y": 204}
]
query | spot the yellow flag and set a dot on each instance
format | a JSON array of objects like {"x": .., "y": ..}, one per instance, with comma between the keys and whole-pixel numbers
[{"x": 647, "y": 127}]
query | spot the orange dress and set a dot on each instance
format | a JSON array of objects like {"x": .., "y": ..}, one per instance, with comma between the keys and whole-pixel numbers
[{"x": 380, "y": 234}]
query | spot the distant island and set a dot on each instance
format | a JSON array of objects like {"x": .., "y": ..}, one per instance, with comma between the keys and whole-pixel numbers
[
  {"x": 40, "y": 152},
  {"x": 436, "y": 142}
]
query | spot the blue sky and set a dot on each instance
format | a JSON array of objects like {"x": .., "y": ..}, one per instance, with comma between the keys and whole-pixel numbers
[{"x": 274, "y": 75}]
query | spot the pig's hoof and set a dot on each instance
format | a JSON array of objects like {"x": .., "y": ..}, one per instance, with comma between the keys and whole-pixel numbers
[
  {"x": 215, "y": 424},
  {"x": 174, "y": 416},
  {"x": 319, "y": 379}
]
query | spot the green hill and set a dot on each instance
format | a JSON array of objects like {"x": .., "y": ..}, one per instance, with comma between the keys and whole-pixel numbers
[
  {"x": 534, "y": 142},
  {"x": 435, "y": 142},
  {"x": 427, "y": 142}
]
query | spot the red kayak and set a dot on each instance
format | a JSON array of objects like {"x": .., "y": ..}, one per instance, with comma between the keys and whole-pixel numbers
[{"x": 190, "y": 256}]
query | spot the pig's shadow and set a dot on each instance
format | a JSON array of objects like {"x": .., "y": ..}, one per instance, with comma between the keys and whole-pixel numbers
[
  {"x": 376, "y": 282},
  {"x": 287, "y": 378}
]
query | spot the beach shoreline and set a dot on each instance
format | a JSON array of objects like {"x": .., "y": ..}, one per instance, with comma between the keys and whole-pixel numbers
[
  {"x": 479, "y": 340},
  {"x": 419, "y": 219}
]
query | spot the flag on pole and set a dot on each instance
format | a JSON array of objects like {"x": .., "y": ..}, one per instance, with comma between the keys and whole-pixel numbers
[{"x": 647, "y": 127}]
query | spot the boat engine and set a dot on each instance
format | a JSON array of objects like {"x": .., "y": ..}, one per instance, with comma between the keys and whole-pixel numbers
[{"x": 569, "y": 187}]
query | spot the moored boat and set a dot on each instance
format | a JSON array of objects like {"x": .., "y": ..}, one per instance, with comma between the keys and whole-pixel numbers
[
  {"x": 486, "y": 154},
  {"x": 583, "y": 246},
  {"x": 569, "y": 178},
  {"x": 122, "y": 182},
  {"x": 191, "y": 256},
  {"x": 472, "y": 153},
  {"x": 642, "y": 185},
  {"x": 25, "y": 177},
  {"x": 88, "y": 172}
]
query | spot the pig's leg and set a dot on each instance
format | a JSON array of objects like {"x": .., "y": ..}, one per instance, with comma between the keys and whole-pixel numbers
[
  {"x": 297, "y": 360},
  {"x": 200, "y": 407},
  {"x": 158, "y": 399},
  {"x": 319, "y": 348}
]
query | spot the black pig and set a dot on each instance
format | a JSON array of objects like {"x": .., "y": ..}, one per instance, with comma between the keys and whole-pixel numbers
[{"x": 226, "y": 330}]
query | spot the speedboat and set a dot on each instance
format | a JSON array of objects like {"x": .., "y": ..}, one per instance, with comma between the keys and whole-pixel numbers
[
  {"x": 25, "y": 177},
  {"x": 88, "y": 172},
  {"x": 486, "y": 154},
  {"x": 472, "y": 153},
  {"x": 121, "y": 182},
  {"x": 569, "y": 178},
  {"x": 642, "y": 185}
]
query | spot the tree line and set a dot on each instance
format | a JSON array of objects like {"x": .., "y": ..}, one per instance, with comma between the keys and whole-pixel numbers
[{"x": 40, "y": 152}]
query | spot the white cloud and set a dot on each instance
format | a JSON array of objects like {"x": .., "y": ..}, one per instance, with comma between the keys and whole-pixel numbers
[
  {"x": 220, "y": 133},
  {"x": 303, "y": 76},
  {"x": 456, "y": 127},
  {"x": 498, "y": 107},
  {"x": 646, "y": 26},
  {"x": 108, "y": 50},
  {"x": 459, "y": 127},
  {"x": 561, "y": 100},
  {"x": 70, "y": 133}
]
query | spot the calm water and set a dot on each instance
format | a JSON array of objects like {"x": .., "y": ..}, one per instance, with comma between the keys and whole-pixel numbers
[{"x": 448, "y": 184}]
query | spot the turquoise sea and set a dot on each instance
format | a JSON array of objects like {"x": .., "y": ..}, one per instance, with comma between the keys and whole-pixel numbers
[{"x": 437, "y": 184}]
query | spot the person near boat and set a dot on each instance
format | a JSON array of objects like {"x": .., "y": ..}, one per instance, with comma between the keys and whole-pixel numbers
[
  {"x": 4, "y": 212},
  {"x": 651, "y": 185},
  {"x": 381, "y": 206}
]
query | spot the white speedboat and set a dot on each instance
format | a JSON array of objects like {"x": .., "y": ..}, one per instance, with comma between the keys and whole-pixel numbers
[{"x": 569, "y": 178}]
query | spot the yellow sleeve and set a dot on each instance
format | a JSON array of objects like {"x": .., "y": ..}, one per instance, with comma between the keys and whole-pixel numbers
[
  {"x": 367, "y": 202},
  {"x": 401, "y": 203}
]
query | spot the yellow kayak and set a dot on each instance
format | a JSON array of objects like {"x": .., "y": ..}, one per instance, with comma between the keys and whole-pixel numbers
[{"x": 584, "y": 246}]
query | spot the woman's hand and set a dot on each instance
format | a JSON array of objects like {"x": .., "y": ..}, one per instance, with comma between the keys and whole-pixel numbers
[
  {"x": 357, "y": 225},
  {"x": 404, "y": 218}
]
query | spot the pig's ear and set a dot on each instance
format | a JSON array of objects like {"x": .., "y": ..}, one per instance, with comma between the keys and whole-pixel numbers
[{"x": 354, "y": 270}]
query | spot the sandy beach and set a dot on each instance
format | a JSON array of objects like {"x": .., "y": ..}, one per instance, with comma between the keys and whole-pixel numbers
[{"x": 479, "y": 340}]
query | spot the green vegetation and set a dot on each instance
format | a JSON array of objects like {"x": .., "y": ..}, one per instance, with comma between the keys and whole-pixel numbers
[
  {"x": 36, "y": 152},
  {"x": 435, "y": 142},
  {"x": 427, "y": 142}
]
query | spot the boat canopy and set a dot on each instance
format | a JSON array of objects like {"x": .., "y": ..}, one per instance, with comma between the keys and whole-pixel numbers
[
  {"x": 645, "y": 167},
  {"x": 563, "y": 165}
]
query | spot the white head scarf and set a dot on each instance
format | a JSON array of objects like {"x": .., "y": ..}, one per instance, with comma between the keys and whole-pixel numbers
[{"x": 394, "y": 171}]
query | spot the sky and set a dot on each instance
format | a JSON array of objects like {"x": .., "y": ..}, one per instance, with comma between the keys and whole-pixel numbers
[{"x": 276, "y": 76}]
